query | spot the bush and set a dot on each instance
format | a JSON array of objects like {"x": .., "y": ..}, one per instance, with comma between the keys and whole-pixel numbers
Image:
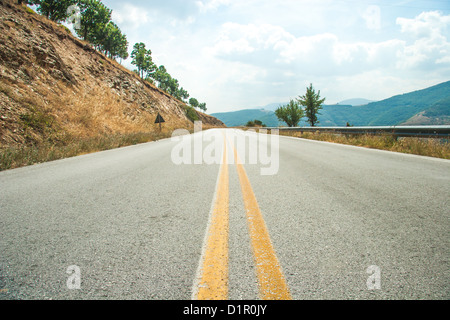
[
  {"x": 191, "y": 114},
  {"x": 255, "y": 123}
]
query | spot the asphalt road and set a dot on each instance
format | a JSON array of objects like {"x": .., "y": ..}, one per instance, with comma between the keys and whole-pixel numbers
[{"x": 343, "y": 222}]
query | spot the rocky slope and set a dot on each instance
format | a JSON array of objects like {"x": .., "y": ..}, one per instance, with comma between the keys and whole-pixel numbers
[{"x": 54, "y": 86}]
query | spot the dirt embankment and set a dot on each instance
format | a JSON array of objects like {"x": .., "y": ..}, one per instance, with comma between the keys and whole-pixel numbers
[{"x": 54, "y": 86}]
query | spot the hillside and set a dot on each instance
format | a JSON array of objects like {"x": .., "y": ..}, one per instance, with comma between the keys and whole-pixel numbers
[
  {"x": 422, "y": 107},
  {"x": 437, "y": 114},
  {"x": 55, "y": 87},
  {"x": 241, "y": 117}
]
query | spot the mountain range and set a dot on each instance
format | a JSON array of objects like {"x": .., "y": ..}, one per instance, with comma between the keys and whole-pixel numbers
[{"x": 430, "y": 106}]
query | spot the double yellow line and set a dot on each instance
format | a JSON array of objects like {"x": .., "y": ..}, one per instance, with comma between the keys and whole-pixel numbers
[{"x": 212, "y": 282}]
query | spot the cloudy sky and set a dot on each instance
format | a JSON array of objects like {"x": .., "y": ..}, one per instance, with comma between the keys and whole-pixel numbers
[{"x": 235, "y": 54}]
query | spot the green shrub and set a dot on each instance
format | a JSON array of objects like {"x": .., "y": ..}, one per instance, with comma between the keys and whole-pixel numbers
[
  {"x": 191, "y": 114},
  {"x": 37, "y": 121}
]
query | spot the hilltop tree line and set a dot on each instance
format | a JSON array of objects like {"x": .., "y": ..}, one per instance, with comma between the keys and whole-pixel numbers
[
  {"x": 293, "y": 112},
  {"x": 158, "y": 75},
  {"x": 95, "y": 26}
]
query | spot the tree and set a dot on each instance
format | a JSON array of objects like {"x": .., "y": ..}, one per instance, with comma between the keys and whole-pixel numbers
[
  {"x": 123, "y": 49},
  {"x": 169, "y": 84},
  {"x": 255, "y": 123},
  {"x": 202, "y": 106},
  {"x": 312, "y": 103},
  {"x": 291, "y": 113},
  {"x": 193, "y": 102},
  {"x": 112, "y": 42},
  {"x": 172, "y": 86},
  {"x": 142, "y": 59},
  {"x": 182, "y": 94},
  {"x": 94, "y": 18},
  {"x": 161, "y": 77},
  {"x": 55, "y": 10}
]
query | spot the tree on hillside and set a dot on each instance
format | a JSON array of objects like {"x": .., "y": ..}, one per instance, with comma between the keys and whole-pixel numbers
[
  {"x": 182, "y": 94},
  {"x": 142, "y": 59},
  {"x": 194, "y": 103},
  {"x": 291, "y": 113},
  {"x": 312, "y": 103},
  {"x": 112, "y": 42},
  {"x": 123, "y": 49},
  {"x": 172, "y": 86},
  {"x": 94, "y": 18},
  {"x": 161, "y": 77},
  {"x": 55, "y": 10},
  {"x": 169, "y": 84}
]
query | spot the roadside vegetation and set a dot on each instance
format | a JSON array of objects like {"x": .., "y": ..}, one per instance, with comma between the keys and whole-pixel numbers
[
  {"x": 438, "y": 148},
  {"x": 92, "y": 23},
  {"x": 15, "y": 157},
  {"x": 255, "y": 123},
  {"x": 292, "y": 113},
  {"x": 89, "y": 126}
]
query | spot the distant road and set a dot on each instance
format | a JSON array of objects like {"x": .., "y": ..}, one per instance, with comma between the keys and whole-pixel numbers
[{"x": 333, "y": 222}]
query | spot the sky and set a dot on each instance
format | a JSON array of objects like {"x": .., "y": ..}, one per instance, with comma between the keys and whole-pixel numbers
[{"x": 240, "y": 54}]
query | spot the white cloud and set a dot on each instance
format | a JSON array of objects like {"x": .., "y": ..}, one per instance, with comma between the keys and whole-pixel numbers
[
  {"x": 429, "y": 47},
  {"x": 131, "y": 16},
  {"x": 237, "y": 39},
  {"x": 324, "y": 54},
  {"x": 210, "y": 5},
  {"x": 425, "y": 25},
  {"x": 327, "y": 54}
]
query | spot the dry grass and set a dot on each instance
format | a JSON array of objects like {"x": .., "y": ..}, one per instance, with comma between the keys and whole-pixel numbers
[
  {"x": 425, "y": 147},
  {"x": 92, "y": 120},
  {"x": 15, "y": 157}
]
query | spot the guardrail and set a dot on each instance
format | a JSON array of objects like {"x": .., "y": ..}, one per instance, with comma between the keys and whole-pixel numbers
[{"x": 442, "y": 132}]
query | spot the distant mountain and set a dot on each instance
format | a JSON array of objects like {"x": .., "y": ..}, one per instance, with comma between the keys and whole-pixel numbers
[
  {"x": 356, "y": 102},
  {"x": 274, "y": 106},
  {"x": 422, "y": 107},
  {"x": 240, "y": 118},
  {"x": 399, "y": 109}
]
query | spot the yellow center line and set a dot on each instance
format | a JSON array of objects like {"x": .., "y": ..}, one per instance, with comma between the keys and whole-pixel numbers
[
  {"x": 213, "y": 275},
  {"x": 272, "y": 284}
]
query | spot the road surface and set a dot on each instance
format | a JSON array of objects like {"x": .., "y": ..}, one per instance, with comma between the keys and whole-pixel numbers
[{"x": 330, "y": 222}]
